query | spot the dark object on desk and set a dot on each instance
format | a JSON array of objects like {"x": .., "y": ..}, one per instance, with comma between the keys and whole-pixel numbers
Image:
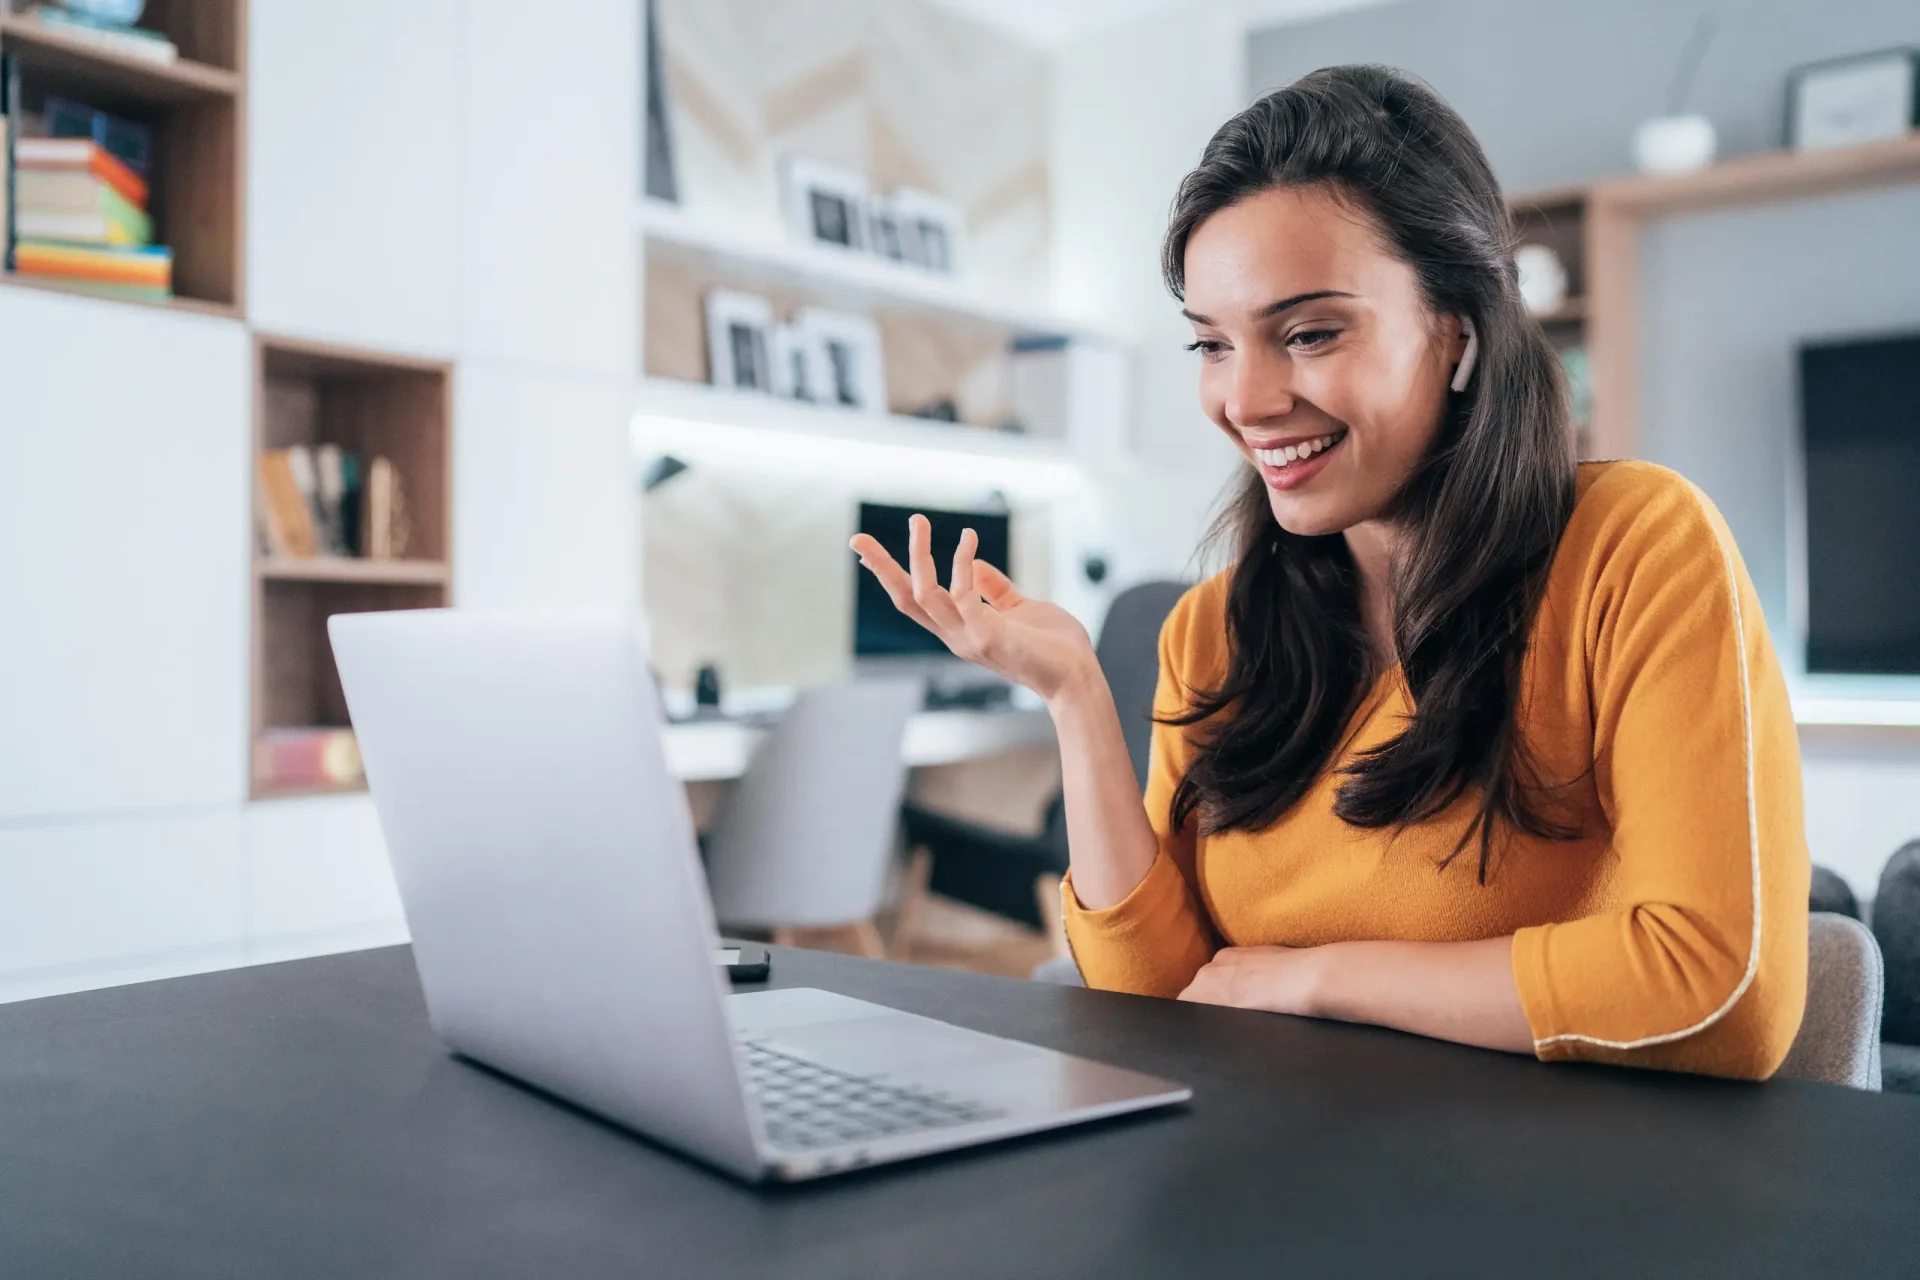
[
  {"x": 745, "y": 961},
  {"x": 879, "y": 629},
  {"x": 977, "y": 696},
  {"x": 300, "y": 1119},
  {"x": 996, "y": 870},
  {"x": 706, "y": 686}
]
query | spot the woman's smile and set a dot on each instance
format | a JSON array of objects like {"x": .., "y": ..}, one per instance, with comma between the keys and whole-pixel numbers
[{"x": 1290, "y": 463}]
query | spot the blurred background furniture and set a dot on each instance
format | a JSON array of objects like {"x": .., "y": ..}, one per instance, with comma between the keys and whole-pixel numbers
[
  {"x": 803, "y": 844},
  {"x": 1896, "y": 926},
  {"x": 1017, "y": 875}
]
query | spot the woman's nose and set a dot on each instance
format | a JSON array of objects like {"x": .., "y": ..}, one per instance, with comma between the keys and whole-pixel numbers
[{"x": 1259, "y": 389}]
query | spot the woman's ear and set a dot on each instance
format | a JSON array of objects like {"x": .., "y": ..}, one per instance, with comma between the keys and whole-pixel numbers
[{"x": 1464, "y": 370}]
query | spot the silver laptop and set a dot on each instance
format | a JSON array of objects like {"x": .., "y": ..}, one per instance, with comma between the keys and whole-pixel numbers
[{"x": 561, "y": 925}]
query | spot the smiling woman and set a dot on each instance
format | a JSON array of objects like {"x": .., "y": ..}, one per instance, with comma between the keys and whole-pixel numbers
[{"x": 1438, "y": 638}]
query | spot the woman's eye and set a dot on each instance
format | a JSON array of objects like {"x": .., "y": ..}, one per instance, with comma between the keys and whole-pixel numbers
[
  {"x": 1308, "y": 339},
  {"x": 1208, "y": 348}
]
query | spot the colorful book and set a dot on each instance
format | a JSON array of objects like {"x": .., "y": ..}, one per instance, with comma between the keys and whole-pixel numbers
[
  {"x": 82, "y": 155},
  {"x": 140, "y": 268},
  {"x": 302, "y": 757},
  {"x": 73, "y": 192},
  {"x": 101, "y": 227},
  {"x": 6, "y": 173},
  {"x": 128, "y": 42},
  {"x": 285, "y": 518}
]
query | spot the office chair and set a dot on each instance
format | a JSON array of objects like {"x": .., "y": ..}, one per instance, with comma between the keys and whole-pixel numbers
[
  {"x": 998, "y": 870},
  {"x": 806, "y": 837}
]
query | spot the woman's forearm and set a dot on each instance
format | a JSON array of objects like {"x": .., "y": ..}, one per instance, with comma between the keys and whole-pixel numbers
[
  {"x": 1111, "y": 844},
  {"x": 1459, "y": 991}
]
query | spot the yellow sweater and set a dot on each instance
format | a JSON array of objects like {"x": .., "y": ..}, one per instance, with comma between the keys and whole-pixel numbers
[{"x": 1673, "y": 934}]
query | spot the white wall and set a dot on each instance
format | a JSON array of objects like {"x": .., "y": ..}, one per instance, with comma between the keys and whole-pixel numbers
[
  {"x": 1133, "y": 106},
  {"x": 443, "y": 178}
]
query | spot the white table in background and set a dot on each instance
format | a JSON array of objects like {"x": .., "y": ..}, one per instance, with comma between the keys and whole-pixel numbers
[{"x": 718, "y": 750}]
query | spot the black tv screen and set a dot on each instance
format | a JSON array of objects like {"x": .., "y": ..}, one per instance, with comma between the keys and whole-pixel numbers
[
  {"x": 879, "y": 629},
  {"x": 1860, "y": 425}
]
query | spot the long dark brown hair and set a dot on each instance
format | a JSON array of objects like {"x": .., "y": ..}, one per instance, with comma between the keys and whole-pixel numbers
[{"x": 1481, "y": 517}]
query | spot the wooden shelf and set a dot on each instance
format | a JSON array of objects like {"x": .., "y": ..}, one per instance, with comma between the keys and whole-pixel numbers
[
  {"x": 291, "y": 791},
  {"x": 116, "y": 79},
  {"x": 346, "y": 569},
  {"x": 838, "y": 277},
  {"x": 195, "y": 306},
  {"x": 1572, "y": 311},
  {"x": 1778, "y": 175},
  {"x": 374, "y": 404}
]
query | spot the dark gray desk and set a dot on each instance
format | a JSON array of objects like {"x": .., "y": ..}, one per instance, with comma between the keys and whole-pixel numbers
[{"x": 299, "y": 1120}]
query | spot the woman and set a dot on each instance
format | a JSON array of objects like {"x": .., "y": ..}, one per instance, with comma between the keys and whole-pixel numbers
[{"x": 1469, "y": 741}]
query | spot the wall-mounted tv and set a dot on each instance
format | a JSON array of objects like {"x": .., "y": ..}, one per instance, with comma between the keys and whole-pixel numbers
[
  {"x": 1860, "y": 436},
  {"x": 879, "y": 629}
]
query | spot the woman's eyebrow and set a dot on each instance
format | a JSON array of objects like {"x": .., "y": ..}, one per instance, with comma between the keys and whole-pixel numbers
[{"x": 1275, "y": 308}]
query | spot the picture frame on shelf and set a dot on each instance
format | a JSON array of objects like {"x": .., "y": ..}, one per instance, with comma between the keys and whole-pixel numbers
[
  {"x": 852, "y": 368},
  {"x": 885, "y": 236},
  {"x": 1865, "y": 97},
  {"x": 824, "y": 204},
  {"x": 932, "y": 230},
  {"x": 799, "y": 363},
  {"x": 739, "y": 331}
]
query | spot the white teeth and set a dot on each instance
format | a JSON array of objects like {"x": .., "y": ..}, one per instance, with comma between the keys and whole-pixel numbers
[{"x": 1291, "y": 453}]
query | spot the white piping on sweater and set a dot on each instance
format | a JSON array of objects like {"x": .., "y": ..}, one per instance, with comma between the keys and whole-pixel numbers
[{"x": 1753, "y": 829}]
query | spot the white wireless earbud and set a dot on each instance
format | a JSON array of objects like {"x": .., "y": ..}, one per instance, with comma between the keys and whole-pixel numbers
[{"x": 1467, "y": 357}]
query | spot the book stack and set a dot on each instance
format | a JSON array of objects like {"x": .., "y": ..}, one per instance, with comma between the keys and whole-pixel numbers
[
  {"x": 80, "y": 216},
  {"x": 322, "y": 501},
  {"x": 115, "y": 37},
  {"x": 307, "y": 757}
]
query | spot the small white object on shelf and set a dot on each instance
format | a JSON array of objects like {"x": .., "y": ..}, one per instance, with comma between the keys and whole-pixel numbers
[
  {"x": 852, "y": 370},
  {"x": 1543, "y": 280},
  {"x": 739, "y": 327},
  {"x": 1674, "y": 144},
  {"x": 1847, "y": 101},
  {"x": 824, "y": 204}
]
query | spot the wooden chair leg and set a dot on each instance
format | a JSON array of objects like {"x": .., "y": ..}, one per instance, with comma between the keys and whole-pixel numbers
[
  {"x": 908, "y": 902},
  {"x": 1053, "y": 919}
]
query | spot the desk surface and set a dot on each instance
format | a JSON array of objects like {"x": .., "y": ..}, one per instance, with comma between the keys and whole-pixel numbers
[
  {"x": 299, "y": 1120},
  {"x": 718, "y": 750}
]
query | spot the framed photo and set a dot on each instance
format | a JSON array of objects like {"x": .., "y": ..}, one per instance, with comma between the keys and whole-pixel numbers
[
  {"x": 799, "y": 363},
  {"x": 931, "y": 230},
  {"x": 1868, "y": 97},
  {"x": 824, "y": 204},
  {"x": 739, "y": 329},
  {"x": 885, "y": 236},
  {"x": 852, "y": 375}
]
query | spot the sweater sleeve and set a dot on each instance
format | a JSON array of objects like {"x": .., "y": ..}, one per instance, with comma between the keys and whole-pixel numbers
[
  {"x": 1702, "y": 966},
  {"x": 1154, "y": 940}
]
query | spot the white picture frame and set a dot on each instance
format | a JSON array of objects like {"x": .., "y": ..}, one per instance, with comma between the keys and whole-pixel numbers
[
  {"x": 824, "y": 204},
  {"x": 852, "y": 363},
  {"x": 1847, "y": 101},
  {"x": 799, "y": 363},
  {"x": 739, "y": 340},
  {"x": 932, "y": 230}
]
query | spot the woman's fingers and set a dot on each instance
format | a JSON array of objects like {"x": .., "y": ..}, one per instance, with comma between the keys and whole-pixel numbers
[
  {"x": 893, "y": 579},
  {"x": 996, "y": 586},
  {"x": 927, "y": 591}
]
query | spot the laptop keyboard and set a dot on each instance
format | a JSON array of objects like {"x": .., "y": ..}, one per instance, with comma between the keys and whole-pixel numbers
[{"x": 806, "y": 1105}]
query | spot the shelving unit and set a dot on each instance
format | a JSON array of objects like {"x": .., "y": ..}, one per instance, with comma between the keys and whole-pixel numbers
[
  {"x": 373, "y": 404},
  {"x": 835, "y": 277},
  {"x": 196, "y": 108},
  {"x": 1556, "y": 218}
]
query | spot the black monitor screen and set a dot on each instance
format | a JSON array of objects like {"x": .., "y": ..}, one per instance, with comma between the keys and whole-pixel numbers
[
  {"x": 879, "y": 629},
  {"x": 1860, "y": 418}
]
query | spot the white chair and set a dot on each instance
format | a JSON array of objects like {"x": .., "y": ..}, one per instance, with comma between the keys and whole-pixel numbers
[
  {"x": 1839, "y": 1038},
  {"x": 806, "y": 838}
]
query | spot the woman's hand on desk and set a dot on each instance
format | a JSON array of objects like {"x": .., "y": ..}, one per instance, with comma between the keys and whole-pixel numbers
[
  {"x": 982, "y": 617},
  {"x": 1276, "y": 979}
]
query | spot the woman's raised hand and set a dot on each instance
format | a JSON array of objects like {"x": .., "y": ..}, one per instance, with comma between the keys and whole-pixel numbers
[{"x": 982, "y": 617}]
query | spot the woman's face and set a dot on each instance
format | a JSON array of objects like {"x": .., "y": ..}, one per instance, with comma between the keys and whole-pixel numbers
[{"x": 1320, "y": 359}]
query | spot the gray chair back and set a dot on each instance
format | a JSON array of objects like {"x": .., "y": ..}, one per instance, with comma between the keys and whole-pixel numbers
[
  {"x": 1839, "y": 1040},
  {"x": 1129, "y": 653},
  {"x": 805, "y": 837}
]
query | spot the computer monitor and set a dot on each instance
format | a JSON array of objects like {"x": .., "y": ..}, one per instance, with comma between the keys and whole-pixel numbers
[
  {"x": 879, "y": 629},
  {"x": 1860, "y": 429}
]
